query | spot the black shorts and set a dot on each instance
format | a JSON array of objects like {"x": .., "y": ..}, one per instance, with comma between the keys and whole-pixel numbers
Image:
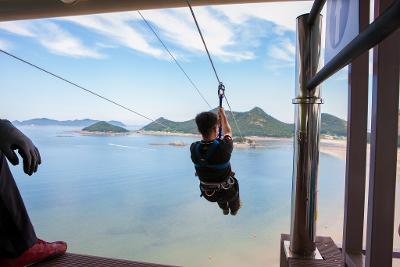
[{"x": 223, "y": 195}]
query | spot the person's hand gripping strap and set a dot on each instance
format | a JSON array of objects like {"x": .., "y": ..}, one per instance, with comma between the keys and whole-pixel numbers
[{"x": 13, "y": 139}]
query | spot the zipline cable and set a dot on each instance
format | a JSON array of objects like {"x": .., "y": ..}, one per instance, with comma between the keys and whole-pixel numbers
[
  {"x": 204, "y": 42},
  {"x": 213, "y": 67},
  {"x": 81, "y": 87},
  {"x": 234, "y": 119},
  {"x": 174, "y": 58}
]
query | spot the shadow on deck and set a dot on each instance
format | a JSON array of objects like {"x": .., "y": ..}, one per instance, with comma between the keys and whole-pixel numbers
[
  {"x": 76, "y": 260},
  {"x": 331, "y": 254}
]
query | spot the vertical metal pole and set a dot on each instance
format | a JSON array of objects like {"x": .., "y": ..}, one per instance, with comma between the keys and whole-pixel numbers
[
  {"x": 383, "y": 159},
  {"x": 306, "y": 139},
  {"x": 357, "y": 117}
]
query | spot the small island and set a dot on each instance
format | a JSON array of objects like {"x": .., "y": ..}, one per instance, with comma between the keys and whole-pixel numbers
[{"x": 104, "y": 128}]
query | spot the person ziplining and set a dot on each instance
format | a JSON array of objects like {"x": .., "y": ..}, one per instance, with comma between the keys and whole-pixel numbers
[
  {"x": 211, "y": 157},
  {"x": 223, "y": 189}
]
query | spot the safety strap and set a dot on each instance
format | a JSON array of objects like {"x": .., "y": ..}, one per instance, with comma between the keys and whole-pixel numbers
[
  {"x": 213, "y": 166},
  {"x": 209, "y": 189},
  {"x": 202, "y": 162},
  {"x": 221, "y": 94}
]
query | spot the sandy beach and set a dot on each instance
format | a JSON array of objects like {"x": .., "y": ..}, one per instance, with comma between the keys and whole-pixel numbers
[{"x": 337, "y": 148}]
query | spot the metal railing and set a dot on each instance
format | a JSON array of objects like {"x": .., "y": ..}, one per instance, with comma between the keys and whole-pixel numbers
[
  {"x": 308, "y": 79},
  {"x": 375, "y": 33}
]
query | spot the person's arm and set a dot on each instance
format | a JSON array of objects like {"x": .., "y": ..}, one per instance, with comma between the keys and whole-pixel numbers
[
  {"x": 11, "y": 139},
  {"x": 226, "y": 128}
]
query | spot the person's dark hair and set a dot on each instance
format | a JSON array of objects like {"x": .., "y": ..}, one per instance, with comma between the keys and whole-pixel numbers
[{"x": 206, "y": 121}]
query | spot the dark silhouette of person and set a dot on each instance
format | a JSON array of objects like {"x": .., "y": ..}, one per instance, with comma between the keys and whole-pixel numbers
[
  {"x": 19, "y": 245},
  {"x": 211, "y": 157}
]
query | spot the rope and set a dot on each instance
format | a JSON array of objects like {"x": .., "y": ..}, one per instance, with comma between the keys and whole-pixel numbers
[
  {"x": 175, "y": 60},
  {"x": 234, "y": 119},
  {"x": 80, "y": 87},
  {"x": 221, "y": 94},
  {"x": 204, "y": 42},
  {"x": 213, "y": 67}
]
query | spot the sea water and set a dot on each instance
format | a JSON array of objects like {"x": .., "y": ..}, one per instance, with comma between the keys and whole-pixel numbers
[{"x": 124, "y": 197}]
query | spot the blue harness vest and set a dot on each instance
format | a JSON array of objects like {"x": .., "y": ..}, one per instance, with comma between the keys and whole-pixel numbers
[{"x": 202, "y": 162}]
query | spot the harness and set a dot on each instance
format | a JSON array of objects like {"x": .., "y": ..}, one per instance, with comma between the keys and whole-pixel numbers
[
  {"x": 202, "y": 162},
  {"x": 207, "y": 188}
]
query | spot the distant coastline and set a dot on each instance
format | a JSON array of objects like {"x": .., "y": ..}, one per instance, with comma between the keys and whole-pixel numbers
[
  {"x": 329, "y": 145},
  {"x": 165, "y": 133},
  {"x": 98, "y": 133}
]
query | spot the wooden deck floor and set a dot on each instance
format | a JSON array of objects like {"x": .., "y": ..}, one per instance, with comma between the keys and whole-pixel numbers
[
  {"x": 332, "y": 256},
  {"x": 76, "y": 260}
]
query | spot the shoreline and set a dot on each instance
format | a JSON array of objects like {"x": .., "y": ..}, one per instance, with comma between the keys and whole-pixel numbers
[
  {"x": 159, "y": 133},
  {"x": 88, "y": 133},
  {"x": 328, "y": 145}
]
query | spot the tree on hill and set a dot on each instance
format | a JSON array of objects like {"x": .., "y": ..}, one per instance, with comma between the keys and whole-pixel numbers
[
  {"x": 334, "y": 126},
  {"x": 252, "y": 123},
  {"x": 105, "y": 127}
]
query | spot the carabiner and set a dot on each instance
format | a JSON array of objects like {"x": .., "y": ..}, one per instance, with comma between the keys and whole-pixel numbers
[{"x": 221, "y": 90}]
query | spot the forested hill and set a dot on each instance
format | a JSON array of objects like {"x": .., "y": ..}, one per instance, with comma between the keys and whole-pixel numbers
[
  {"x": 253, "y": 123},
  {"x": 104, "y": 127},
  {"x": 332, "y": 125}
]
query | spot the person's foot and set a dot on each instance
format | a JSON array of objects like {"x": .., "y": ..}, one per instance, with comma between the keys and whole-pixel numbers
[
  {"x": 40, "y": 251},
  {"x": 235, "y": 211}
]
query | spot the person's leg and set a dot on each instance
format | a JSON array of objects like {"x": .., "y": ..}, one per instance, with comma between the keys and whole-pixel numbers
[
  {"x": 224, "y": 206},
  {"x": 234, "y": 205},
  {"x": 16, "y": 231},
  {"x": 234, "y": 202}
]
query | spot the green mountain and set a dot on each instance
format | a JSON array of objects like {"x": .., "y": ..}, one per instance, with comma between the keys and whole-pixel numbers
[
  {"x": 105, "y": 127},
  {"x": 334, "y": 126},
  {"x": 253, "y": 123},
  {"x": 74, "y": 123}
]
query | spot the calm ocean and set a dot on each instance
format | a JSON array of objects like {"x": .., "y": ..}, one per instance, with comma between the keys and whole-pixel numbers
[{"x": 122, "y": 197}]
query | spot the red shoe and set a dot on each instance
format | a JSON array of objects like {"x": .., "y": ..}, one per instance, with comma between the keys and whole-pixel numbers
[{"x": 40, "y": 251}]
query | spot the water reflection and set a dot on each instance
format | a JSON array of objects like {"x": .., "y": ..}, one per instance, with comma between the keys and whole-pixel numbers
[{"x": 226, "y": 194}]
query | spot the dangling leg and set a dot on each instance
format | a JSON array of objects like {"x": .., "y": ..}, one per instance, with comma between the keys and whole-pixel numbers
[
  {"x": 224, "y": 206},
  {"x": 16, "y": 230},
  {"x": 234, "y": 202},
  {"x": 234, "y": 205},
  {"x": 19, "y": 245}
]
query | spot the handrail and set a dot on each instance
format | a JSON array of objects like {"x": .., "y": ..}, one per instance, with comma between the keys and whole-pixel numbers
[
  {"x": 315, "y": 11},
  {"x": 376, "y": 32}
]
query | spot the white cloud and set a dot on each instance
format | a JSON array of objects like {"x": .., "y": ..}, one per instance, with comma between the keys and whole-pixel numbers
[
  {"x": 22, "y": 28},
  {"x": 61, "y": 42},
  {"x": 52, "y": 37},
  {"x": 175, "y": 26},
  {"x": 230, "y": 33},
  {"x": 178, "y": 26},
  {"x": 282, "y": 14},
  {"x": 117, "y": 27},
  {"x": 222, "y": 27},
  {"x": 284, "y": 50}
]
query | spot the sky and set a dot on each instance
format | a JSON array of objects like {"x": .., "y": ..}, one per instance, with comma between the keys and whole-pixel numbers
[{"x": 115, "y": 55}]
